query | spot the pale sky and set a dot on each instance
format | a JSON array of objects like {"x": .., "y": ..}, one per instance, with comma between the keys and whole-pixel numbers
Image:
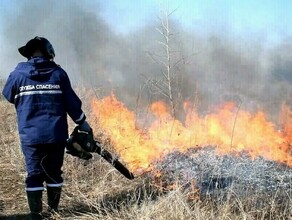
[
  {"x": 239, "y": 17},
  {"x": 244, "y": 17}
]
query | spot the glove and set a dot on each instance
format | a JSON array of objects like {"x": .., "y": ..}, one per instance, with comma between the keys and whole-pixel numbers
[{"x": 81, "y": 143}]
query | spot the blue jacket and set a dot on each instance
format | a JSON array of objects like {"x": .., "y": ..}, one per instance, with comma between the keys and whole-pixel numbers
[{"x": 42, "y": 94}]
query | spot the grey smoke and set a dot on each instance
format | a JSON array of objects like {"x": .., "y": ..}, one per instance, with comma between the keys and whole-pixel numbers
[{"x": 215, "y": 68}]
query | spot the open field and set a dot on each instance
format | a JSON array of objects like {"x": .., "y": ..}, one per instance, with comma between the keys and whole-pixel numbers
[{"x": 95, "y": 190}]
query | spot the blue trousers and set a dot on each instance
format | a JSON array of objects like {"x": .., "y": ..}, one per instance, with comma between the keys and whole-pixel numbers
[{"x": 43, "y": 164}]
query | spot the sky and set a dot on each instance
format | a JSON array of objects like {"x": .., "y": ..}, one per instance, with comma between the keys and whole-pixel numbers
[{"x": 245, "y": 17}]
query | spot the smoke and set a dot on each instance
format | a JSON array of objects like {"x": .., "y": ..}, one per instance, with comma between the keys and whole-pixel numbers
[
  {"x": 251, "y": 74},
  {"x": 80, "y": 37},
  {"x": 213, "y": 68}
]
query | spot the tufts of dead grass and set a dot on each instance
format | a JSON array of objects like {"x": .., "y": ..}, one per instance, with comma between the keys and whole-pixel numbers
[{"x": 95, "y": 190}]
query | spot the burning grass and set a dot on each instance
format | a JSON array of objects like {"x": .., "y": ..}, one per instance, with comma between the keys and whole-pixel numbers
[
  {"x": 230, "y": 129},
  {"x": 196, "y": 183}
]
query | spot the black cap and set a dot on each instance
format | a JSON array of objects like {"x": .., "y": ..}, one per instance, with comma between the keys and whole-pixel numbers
[{"x": 37, "y": 43}]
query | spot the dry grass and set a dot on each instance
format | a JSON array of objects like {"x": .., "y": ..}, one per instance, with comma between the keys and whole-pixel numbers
[{"x": 94, "y": 190}]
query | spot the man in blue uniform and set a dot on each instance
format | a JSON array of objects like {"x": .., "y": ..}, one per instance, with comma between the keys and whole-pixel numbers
[{"x": 43, "y": 97}]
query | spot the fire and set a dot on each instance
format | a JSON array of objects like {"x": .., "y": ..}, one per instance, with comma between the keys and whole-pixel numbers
[{"x": 229, "y": 129}]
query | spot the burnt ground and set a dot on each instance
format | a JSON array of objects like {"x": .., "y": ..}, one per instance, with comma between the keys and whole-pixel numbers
[{"x": 262, "y": 182}]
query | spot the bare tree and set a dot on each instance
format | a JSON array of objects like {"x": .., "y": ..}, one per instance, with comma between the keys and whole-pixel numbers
[{"x": 166, "y": 82}]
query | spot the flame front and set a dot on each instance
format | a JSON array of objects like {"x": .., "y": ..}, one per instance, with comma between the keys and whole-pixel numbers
[{"x": 229, "y": 129}]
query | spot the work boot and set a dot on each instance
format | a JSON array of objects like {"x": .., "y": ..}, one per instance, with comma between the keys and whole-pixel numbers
[
  {"x": 54, "y": 195},
  {"x": 35, "y": 204}
]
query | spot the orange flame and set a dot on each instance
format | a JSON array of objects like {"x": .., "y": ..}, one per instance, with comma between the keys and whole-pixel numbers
[{"x": 229, "y": 129}]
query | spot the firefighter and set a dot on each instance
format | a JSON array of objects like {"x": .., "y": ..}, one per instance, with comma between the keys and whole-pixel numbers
[{"x": 43, "y": 97}]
